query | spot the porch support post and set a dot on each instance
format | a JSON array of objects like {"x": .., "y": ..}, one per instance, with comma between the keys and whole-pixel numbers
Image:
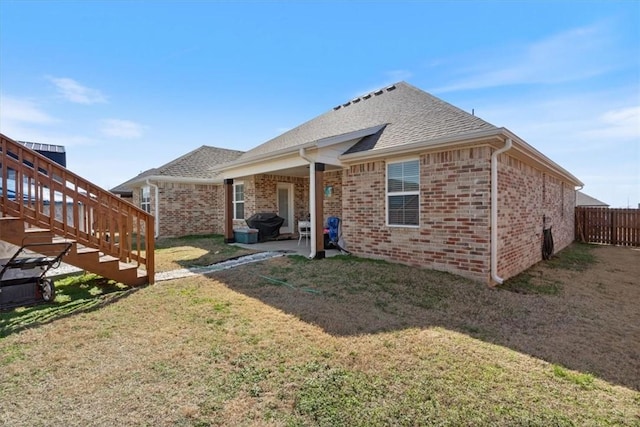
[
  {"x": 318, "y": 227},
  {"x": 228, "y": 211}
]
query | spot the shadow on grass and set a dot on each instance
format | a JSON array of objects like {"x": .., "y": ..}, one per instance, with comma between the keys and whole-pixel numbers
[
  {"x": 74, "y": 295},
  {"x": 570, "y": 318}
]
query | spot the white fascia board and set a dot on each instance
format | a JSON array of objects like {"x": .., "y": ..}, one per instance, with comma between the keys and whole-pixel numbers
[
  {"x": 349, "y": 137},
  {"x": 265, "y": 166},
  {"x": 492, "y": 135},
  {"x": 530, "y": 152},
  {"x": 176, "y": 179}
]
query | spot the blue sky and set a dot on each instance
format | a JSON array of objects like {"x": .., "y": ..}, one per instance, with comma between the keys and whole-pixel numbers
[{"x": 130, "y": 85}]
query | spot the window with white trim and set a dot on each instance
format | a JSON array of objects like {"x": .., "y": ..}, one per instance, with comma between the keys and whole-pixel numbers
[
  {"x": 238, "y": 201},
  {"x": 403, "y": 193},
  {"x": 145, "y": 198}
]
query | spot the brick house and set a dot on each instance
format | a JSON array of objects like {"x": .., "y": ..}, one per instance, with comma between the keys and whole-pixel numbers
[
  {"x": 185, "y": 195},
  {"x": 415, "y": 180}
]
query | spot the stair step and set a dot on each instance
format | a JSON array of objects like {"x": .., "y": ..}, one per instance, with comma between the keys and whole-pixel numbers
[
  {"x": 86, "y": 258},
  {"x": 86, "y": 250},
  {"x": 57, "y": 239}
]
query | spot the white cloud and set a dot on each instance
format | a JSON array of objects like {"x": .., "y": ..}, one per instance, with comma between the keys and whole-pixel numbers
[
  {"x": 73, "y": 91},
  {"x": 568, "y": 56},
  {"x": 568, "y": 121},
  {"x": 125, "y": 129},
  {"x": 22, "y": 111},
  {"x": 621, "y": 123}
]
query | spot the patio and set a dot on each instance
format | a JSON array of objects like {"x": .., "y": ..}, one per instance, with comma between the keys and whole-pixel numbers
[{"x": 289, "y": 246}]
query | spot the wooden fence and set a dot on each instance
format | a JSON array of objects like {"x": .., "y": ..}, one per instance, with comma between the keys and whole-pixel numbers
[{"x": 608, "y": 226}]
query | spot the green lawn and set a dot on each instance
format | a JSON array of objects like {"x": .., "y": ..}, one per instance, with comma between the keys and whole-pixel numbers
[{"x": 337, "y": 342}]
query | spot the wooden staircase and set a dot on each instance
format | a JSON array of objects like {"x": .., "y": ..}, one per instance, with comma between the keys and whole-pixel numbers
[{"x": 43, "y": 202}]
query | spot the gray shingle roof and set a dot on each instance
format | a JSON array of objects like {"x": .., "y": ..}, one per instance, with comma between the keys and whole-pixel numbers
[
  {"x": 195, "y": 164},
  {"x": 583, "y": 199},
  {"x": 411, "y": 115}
]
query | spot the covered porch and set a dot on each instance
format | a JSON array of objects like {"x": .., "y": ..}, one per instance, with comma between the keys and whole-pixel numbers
[
  {"x": 305, "y": 196},
  {"x": 301, "y": 184}
]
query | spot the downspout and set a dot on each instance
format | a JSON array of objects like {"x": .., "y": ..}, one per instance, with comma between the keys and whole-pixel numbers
[
  {"x": 157, "y": 208},
  {"x": 494, "y": 211},
  {"x": 312, "y": 200}
]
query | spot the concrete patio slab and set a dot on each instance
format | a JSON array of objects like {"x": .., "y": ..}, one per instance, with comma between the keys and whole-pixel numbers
[{"x": 288, "y": 246}]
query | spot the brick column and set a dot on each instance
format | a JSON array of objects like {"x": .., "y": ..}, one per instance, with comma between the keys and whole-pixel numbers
[
  {"x": 228, "y": 211},
  {"x": 319, "y": 171}
]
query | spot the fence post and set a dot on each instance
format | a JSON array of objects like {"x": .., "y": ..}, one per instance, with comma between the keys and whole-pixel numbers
[{"x": 614, "y": 237}]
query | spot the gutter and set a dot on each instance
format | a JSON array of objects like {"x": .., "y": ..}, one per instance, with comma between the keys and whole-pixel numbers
[
  {"x": 312, "y": 199},
  {"x": 435, "y": 143},
  {"x": 490, "y": 137},
  {"x": 176, "y": 179},
  {"x": 494, "y": 211},
  {"x": 157, "y": 208}
]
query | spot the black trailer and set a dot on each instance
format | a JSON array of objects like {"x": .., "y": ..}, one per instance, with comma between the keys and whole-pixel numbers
[{"x": 22, "y": 277}]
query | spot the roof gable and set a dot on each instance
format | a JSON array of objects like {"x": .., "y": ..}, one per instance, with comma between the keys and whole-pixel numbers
[
  {"x": 198, "y": 163},
  {"x": 195, "y": 164},
  {"x": 410, "y": 115}
]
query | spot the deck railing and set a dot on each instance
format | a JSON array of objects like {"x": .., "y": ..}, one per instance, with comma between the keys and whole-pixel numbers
[{"x": 47, "y": 195}]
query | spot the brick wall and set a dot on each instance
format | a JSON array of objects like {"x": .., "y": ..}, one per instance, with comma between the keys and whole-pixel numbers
[
  {"x": 332, "y": 205},
  {"x": 187, "y": 208},
  {"x": 264, "y": 196},
  {"x": 525, "y": 196},
  {"x": 453, "y": 234}
]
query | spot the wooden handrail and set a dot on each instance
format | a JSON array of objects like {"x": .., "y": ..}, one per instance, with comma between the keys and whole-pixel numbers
[{"x": 47, "y": 195}]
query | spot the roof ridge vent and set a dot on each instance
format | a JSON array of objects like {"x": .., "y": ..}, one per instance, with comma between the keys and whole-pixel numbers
[{"x": 365, "y": 97}]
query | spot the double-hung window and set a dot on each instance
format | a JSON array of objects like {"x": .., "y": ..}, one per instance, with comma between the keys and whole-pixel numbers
[
  {"x": 403, "y": 193},
  {"x": 145, "y": 199},
  {"x": 238, "y": 201}
]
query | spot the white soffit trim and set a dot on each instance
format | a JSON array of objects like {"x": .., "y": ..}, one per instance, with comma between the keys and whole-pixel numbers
[
  {"x": 265, "y": 166},
  {"x": 463, "y": 139},
  {"x": 320, "y": 143}
]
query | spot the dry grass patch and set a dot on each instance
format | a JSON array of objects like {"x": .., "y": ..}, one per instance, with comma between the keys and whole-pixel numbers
[
  {"x": 344, "y": 343},
  {"x": 194, "y": 251}
]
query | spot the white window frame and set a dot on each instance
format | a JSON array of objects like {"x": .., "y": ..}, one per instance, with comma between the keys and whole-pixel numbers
[
  {"x": 401, "y": 193},
  {"x": 145, "y": 202},
  {"x": 237, "y": 202}
]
